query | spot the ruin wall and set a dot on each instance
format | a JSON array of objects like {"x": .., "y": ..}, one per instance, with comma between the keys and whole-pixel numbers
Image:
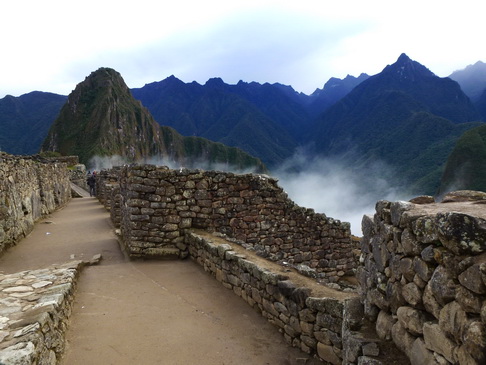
[
  {"x": 312, "y": 318},
  {"x": 29, "y": 190},
  {"x": 423, "y": 277},
  {"x": 156, "y": 206}
]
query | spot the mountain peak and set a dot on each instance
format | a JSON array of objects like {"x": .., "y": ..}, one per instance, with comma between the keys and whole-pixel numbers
[
  {"x": 407, "y": 69},
  {"x": 215, "y": 82},
  {"x": 403, "y": 58}
]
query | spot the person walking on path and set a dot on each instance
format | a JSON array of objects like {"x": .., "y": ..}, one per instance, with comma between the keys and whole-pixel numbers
[{"x": 92, "y": 184}]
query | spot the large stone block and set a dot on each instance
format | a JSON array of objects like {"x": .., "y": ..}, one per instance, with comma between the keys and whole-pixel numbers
[
  {"x": 420, "y": 355},
  {"x": 384, "y": 324},
  {"x": 437, "y": 341},
  {"x": 472, "y": 279},
  {"x": 462, "y": 233},
  {"x": 402, "y": 338},
  {"x": 412, "y": 319},
  {"x": 453, "y": 320},
  {"x": 328, "y": 354},
  {"x": 442, "y": 285}
]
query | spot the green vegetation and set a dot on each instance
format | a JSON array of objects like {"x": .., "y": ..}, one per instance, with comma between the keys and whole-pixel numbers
[
  {"x": 49, "y": 154},
  {"x": 101, "y": 118},
  {"x": 466, "y": 165},
  {"x": 406, "y": 117}
]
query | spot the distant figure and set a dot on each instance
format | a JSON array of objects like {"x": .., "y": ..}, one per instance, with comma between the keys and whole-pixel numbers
[{"x": 92, "y": 184}]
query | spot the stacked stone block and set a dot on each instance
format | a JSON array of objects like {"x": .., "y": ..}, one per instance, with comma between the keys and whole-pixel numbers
[
  {"x": 423, "y": 278},
  {"x": 158, "y": 205},
  {"x": 34, "y": 311},
  {"x": 313, "y": 324},
  {"x": 29, "y": 190}
]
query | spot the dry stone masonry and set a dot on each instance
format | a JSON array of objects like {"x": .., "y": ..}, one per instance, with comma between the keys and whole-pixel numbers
[
  {"x": 156, "y": 206},
  {"x": 235, "y": 226},
  {"x": 30, "y": 188},
  {"x": 34, "y": 309},
  {"x": 310, "y": 316},
  {"x": 423, "y": 277}
]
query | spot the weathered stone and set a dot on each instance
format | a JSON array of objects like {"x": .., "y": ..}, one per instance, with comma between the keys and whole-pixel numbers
[
  {"x": 469, "y": 301},
  {"x": 428, "y": 254},
  {"x": 452, "y": 320},
  {"x": 394, "y": 296},
  {"x": 412, "y": 294},
  {"x": 384, "y": 324},
  {"x": 472, "y": 280},
  {"x": 437, "y": 341},
  {"x": 430, "y": 303},
  {"x": 396, "y": 211},
  {"x": 420, "y": 355},
  {"x": 412, "y": 319},
  {"x": 406, "y": 268},
  {"x": 409, "y": 243},
  {"x": 465, "y": 358},
  {"x": 474, "y": 339},
  {"x": 402, "y": 338},
  {"x": 422, "y": 268},
  {"x": 464, "y": 196},
  {"x": 327, "y": 321},
  {"x": 378, "y": 299},
  {"x": 365, "y": 360},
  {"x": 442, "y": 285},
  {"x": 462, "y": 233},
  {"x": 327, "y": 353},
  {"x": 371, "y": 349},
  {"x": 380, "y": 254},
  {"x": 20, "y": 353}
]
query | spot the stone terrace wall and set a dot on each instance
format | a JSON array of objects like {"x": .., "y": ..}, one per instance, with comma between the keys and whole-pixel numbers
[
  {"x": 29, "y": 189},
  {"x": 310, "y": 319},
  {"x": 423, "y": 277},
  {"x": 34, "y": 309},
  {"x": 158, "y": 205}
]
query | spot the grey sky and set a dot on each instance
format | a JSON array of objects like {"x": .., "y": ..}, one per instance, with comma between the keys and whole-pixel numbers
[{"x": 53, "y": 45}]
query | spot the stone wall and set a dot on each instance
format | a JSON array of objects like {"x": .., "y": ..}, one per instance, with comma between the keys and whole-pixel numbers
[
  {"x": 35, "y": 311},
  {"x": 423, "y": 277},
  {"x": 29, "y": 189},
  {"x": 311, "y": 317},
  {"x": 157, "y": 205}
]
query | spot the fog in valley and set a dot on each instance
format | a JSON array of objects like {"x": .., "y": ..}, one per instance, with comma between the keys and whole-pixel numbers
[{"x": 329, "y": 186}]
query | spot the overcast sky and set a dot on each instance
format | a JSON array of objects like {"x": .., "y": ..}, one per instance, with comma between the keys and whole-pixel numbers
[{"x": 52, "y": 45}]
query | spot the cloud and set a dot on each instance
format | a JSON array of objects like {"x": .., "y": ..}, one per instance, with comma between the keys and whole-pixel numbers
[
  {"x": 331, "y": 186},
  {"x": 98, "y": 163}
]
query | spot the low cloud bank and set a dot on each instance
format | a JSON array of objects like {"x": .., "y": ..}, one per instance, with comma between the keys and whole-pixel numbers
[
  {"x": 98, "y": 163},
  {"x": 330, "y": 186}
]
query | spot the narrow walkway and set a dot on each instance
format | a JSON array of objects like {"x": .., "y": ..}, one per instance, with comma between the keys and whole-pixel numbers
[{"x": 145, "y": 312}]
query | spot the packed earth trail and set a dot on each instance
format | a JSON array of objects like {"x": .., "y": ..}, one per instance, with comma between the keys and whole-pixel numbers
[{"x": 145, "y": 312}]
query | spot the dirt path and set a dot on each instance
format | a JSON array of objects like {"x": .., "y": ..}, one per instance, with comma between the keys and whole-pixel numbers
[{"x": 145, "y": 312}]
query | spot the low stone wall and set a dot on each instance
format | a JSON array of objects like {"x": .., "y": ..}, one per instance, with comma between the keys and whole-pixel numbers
[
  {"x": 157, "y": 205},
  {"x": 310, "y": 316},
  {"x": 423, "y": 277},
  {"x": 29, "y": 189},
  {"x": 34, "y": 310}
]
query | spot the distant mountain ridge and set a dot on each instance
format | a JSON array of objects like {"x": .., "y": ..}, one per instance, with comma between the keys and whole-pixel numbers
[
  {"x": 25, "y": 120},
  {"x": 401, "y": 116},
  {"x": 333, "y": 91},
  {"x": 405, "y": 117},
  {"x": 472, "y": 80},
  {"x": 101, "y": 118}
]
